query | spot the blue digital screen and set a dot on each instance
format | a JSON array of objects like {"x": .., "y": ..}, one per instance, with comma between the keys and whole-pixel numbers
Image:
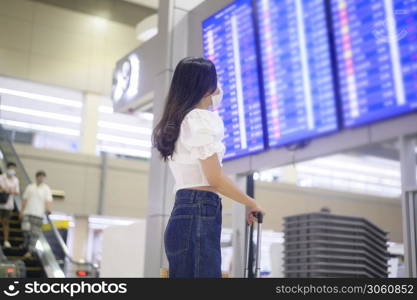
[
  {"x": 229, "y": 42},
  {"x": 376, "y": 46},
  {"x": 297, "y": 70}
]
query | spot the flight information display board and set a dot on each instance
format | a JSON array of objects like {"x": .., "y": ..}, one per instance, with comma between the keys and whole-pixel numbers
[
  {"x": 297, "y": 72},
  {"x": 229, "y": 42},
  {"x": 376, "y": 45}
]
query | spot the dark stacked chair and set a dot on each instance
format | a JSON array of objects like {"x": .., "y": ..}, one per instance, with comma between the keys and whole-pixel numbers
[{"x": 327, "y": 245}]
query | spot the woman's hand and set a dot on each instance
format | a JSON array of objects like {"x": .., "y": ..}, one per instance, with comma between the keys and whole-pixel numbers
[{"x": 250, "y": 218}]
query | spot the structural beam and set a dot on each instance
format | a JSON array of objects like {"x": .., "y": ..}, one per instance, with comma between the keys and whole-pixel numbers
[
  {"x": 172, "y": 36},
  {"x": 407, "y": 145}
]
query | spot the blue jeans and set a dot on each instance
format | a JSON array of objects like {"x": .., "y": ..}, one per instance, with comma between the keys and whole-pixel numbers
[{"x": 192, "y": 234}]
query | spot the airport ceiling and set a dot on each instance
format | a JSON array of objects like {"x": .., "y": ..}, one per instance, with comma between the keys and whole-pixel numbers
[
  {"x": 129, "y": 12},
  {"x": 148, "y": 3}
]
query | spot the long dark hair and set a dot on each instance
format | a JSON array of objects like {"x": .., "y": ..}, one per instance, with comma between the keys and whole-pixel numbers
[{"x": 194, "y": 78}]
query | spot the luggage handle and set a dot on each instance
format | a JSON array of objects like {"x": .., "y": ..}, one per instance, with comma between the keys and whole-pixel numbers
[{"x": 259, "y": 217}]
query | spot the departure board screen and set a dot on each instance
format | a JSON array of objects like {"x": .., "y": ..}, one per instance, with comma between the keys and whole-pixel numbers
[
  {"x": 297, "y": 71},
  {"x": 376, "y": 45},
  {"x": 229, "y": 42}
]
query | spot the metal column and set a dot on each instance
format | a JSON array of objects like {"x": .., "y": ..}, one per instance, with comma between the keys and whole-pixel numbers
[
  {"x": 172, "y": 36},
  {"x": 238, "y": 231},
  {"x": 408, "y": 162},
  {"x": 103, "y": 183}
]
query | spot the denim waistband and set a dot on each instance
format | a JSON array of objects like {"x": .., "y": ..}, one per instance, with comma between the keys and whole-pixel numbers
[{"x": 186, "y": 195}]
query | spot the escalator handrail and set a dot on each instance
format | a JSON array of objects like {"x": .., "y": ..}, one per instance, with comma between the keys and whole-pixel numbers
[
  {"x": 54, "y": 229},
  {"x": 65, "y": 248}
]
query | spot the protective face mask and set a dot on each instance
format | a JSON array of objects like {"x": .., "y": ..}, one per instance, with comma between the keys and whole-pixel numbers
[
  {"x": 11, "y": 172},
  {"x": 217, "y": 99}
]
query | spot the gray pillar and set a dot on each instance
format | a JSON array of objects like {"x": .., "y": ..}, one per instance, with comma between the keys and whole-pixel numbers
[
  {"x": 239, "y": 231},
  {"x": 172, "y": 36},
  {"x": 103, "y": 184},
  {"x": 407, "y": 147}
]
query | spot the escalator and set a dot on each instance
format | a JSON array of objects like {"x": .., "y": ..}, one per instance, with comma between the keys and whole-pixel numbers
[
  {"x": 44, "y": 264},
  {"x": 33, "y": 267}
]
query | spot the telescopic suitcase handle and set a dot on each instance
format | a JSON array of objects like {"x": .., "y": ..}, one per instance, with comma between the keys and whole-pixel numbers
[{"x": 259, "y": 217}]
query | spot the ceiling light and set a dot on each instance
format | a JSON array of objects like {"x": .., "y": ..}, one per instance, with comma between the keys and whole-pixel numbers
[
  {"x": 43, "y": 98},
  {"x": 123, "y": 127},
  {"x": 100, "y": 22},
  {"x": 123, "y": 140},
  {"x": 125, "y": 151},
  {"x": 148, "y": 34},
  {"x": 146, "y": 115},
  {"x": 106, "y": 109},
  {"x": 147, "y": 28},
  {"x": 39, "y": 127},
  {"x": 38, "y": 113}
]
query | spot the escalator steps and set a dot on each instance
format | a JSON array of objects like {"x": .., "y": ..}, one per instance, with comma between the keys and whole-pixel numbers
[{"x": 34, "y": 268}]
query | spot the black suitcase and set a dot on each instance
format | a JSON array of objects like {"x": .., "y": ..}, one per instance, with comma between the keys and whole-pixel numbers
[{"x": 250, "y": 255}]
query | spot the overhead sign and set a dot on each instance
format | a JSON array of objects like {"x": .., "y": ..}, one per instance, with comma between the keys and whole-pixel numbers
[
  {"x": 126, "y": 79},
  {"x": 132, "y": 86}
]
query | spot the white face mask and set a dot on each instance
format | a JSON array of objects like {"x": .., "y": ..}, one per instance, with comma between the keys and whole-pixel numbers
[
  {"x": 217, "y": 99},
  {"x": 11, "y": 172}
]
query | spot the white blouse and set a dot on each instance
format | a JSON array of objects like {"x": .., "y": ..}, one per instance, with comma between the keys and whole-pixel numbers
[
  {"x": 10, "y": 183},
  {"x": 201, "y": 135}
]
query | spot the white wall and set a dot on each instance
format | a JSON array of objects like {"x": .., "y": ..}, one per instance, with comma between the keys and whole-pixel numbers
[
  {"x": 123, "y": 250},
  {"x": 79, "y": 238},
  {"x": 48, "y": 44},
  {"x": 79, "y": 176}
]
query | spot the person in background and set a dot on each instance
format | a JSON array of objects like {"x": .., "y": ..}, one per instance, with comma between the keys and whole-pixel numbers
[
  {"x": 10, "y": 184},
  {"x": 37, "y": 200}
]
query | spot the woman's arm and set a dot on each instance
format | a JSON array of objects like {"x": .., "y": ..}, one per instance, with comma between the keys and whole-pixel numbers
[
  {"x": 225, "y": 186},
  {"x": 22, "y": 209}
]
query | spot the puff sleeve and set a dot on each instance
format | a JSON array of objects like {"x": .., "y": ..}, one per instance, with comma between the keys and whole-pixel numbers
[{"x": 202, "y": 133}]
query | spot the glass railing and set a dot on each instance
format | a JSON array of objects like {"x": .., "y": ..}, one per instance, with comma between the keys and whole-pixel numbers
[
  {"x": 44, "y": 251},
  {"x": 92, "y": 268}
]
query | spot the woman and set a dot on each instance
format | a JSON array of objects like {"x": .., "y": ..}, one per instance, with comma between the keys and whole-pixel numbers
[
  {"x": 189, "y": 136},
  {"x": 10, "y": 184}
]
